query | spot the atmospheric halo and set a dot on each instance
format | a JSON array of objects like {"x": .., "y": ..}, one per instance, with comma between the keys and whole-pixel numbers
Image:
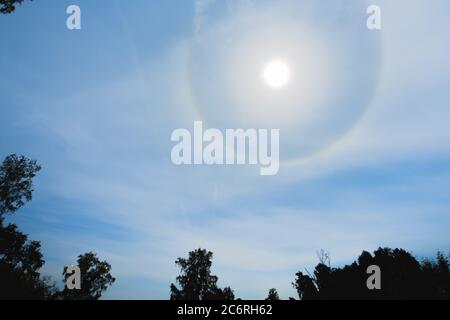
[{"x": 325, "y": 95}]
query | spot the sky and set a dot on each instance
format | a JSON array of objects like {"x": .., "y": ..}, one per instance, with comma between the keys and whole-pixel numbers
[{"x": 364, "y": 134}]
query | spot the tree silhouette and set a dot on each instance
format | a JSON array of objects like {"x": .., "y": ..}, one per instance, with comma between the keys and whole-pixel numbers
[
  {"x": 16, "y": 182},
  {"x": 273, "y": 295},
  {"x": 402, "y": 277},
  {"x": 20, "y": 262},
  {"x": 20, "y": 258},
  {"x": 305, "y": 287},
  {"x": 436, "y": 275},
  {"x": 8, "y": 6},
  {"x": 196, "y": 281},
  {"x": 95, "y": 278}
]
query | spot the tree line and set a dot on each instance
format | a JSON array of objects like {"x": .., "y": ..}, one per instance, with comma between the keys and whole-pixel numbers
[
  {"x": 21, "y": 259},
  {"x": 403, "y": 276}
]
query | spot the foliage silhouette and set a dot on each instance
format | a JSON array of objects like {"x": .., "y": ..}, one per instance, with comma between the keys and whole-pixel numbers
[
  {"x": 20, "y": 262},
  {"x": 273, "y": 295},
  {"x": 21, "y": 259},
  {"x": 16, "y": 182},
  {"x": 8, "y": 6},
  {"x": 196, "y": 281},
  {"x": 402, "y": 277},
  {"x": 95, "y": 278}
]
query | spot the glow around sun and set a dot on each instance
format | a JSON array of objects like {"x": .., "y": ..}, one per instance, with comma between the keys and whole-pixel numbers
[
  {"x": 295, "y": 74},
  {"x": 276, "y": 74}
]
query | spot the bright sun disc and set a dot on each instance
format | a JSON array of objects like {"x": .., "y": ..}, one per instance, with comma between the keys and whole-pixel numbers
[{"x": 276, "y": 74}]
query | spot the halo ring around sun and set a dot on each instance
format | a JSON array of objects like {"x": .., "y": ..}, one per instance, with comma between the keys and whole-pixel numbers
[{"x": 293, "y": 76}]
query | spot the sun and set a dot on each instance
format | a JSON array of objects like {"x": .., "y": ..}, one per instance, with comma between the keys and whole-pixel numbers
[{"x": 276, "y": 74}]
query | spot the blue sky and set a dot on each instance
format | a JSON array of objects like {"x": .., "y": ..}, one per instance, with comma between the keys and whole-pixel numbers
[{"x": 368, "y": 158}]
